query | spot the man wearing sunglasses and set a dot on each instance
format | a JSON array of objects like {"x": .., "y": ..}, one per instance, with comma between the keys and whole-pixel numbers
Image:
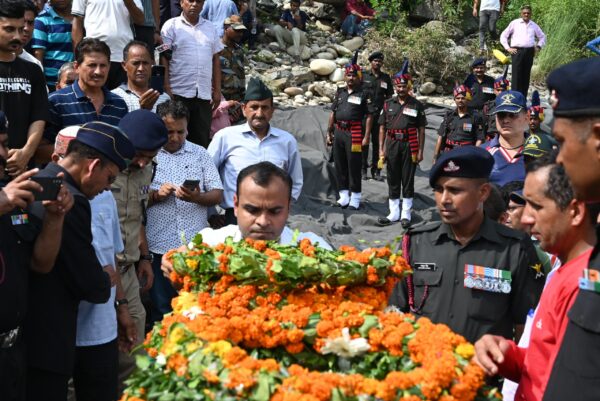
[{"x": 512, "y": 123}]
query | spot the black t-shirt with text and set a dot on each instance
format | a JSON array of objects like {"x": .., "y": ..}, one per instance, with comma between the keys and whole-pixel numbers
[{"x": 23, "y": 98}]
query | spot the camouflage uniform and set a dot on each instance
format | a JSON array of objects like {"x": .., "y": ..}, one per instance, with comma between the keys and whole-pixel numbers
[{"x": 233, "y": 77}]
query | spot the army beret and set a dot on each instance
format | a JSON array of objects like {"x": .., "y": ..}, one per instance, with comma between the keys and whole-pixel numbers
[
  {"x": 3, "y": 122},
  {"x": 510, "y": 102},
  {"x": 478, "y": 61},
  {"x": 462, "y": 162},
  {"x": 145, "y": 129},
  {"x": 257, "y": 90},
  {"x": 376, "y": 55},
  {"x": 537, "y": 145},
  {"x": 574, "y": 89},
  {"x": 108, "y": 140}
]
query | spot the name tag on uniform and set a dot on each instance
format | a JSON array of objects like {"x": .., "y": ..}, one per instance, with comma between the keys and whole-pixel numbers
[
  {"x": 487, "y": 90},
  {"x": 383, "y": 85},
  {"x": 590, "y": 280},
  {"x": 487, "y": 279},
  {"x": 18, "y": 219},
  {"x": 410, "y": 112},
  {"x": 431, "y": 267},
  {"x": 144, "y": 189},
  {"x": 354, "y": 99},
  {"x": 467, "y": 127}
]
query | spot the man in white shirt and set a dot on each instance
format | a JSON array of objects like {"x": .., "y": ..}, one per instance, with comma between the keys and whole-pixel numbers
[
  {"x": 193, "y": 67},
  {"x": 185, "y": 184},
  {"x": 234, "y": 148},
  {"x": 262, "y": 206},
  {"x": 109, "y": 21},
  {"x": 489, "y": 12},
  {"x": 137, "y": 93}
]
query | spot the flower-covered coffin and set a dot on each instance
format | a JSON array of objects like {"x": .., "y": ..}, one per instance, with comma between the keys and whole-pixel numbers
[{"x": 259, "y": 321}]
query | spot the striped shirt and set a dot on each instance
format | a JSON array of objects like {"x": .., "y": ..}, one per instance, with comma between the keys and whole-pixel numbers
[
  {"x": 132, "y": 100},
  {"x": 53, "y": 34},
  {"x": 70, "y": 106}
]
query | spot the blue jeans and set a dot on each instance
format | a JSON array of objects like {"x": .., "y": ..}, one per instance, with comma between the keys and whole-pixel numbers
[
  {"x": 351, "y": 27},
  {"x": 161, "y": 293}
]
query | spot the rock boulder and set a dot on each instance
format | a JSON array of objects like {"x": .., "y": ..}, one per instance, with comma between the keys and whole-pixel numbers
[{"x": 322, "y": 67}]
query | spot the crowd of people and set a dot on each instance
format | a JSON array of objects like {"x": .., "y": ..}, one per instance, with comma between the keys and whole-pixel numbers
[{"x": 108, "y": 160}]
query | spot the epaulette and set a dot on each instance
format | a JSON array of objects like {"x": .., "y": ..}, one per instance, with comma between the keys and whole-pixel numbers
[
  {"x": 505, "y": 231},
  {"x": 425, "y": 228}
]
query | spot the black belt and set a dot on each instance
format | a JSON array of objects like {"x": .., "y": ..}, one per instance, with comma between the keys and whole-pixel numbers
[{"x": 9, "y": 338}]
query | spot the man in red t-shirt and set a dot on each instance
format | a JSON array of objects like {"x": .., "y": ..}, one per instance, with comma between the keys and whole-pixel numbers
[
  {"x": 356, "y": 16},
  {"x": 564, "y": 226}
]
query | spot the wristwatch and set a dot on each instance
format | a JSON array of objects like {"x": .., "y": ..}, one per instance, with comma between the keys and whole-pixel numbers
[
  {"x": 120, "y": 302},
  {"x": 149, "y": 257}
]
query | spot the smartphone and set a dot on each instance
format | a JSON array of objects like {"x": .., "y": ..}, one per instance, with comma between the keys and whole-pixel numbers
[
  {"x": 157, "y": 78},
  {"x": 50, "y": 186},
  {"x": 191, "y": 184}
]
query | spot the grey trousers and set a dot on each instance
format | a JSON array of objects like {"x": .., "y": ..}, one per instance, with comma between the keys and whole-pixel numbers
[{"x": 487, "y": 23}]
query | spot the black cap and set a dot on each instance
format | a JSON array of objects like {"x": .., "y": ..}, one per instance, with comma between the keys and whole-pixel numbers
[
  {"x": 462, "y": 162},
  {"x": 376, "y": 55},
  {"x": 574, "y": 89},
  {"x": 145, "y": 129},
  {"x": 3, "y": 122},
  {"x": 478, "y": 61},
  {"x": 257, "y": 90},
  {"x": 108, "y": 140}
]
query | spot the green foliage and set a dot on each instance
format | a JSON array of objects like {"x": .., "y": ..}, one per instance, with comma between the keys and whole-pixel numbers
[
  {"x": 429, "y": 50},
  {"x": 568, "y": 25},
  {"x": 453, "y": 10}
]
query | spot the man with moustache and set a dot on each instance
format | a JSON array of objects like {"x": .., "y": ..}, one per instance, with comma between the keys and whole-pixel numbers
[
  {"x": 349, "y": 130},
  {"x": 193, "y": 68},
  {"x": 382, "y": 88},
  {"x": 462, "y": 126},
  {"x": 87, "y": 99},
  {"x": 564, "y": 226},
  {"x": 91, "y": 164},
  {"x": 481, "y": 85},
  {"x": 575, "y": 99},
  {"x": 137, "y": 93},
  {"x": 234, "y": 148},
  {"x": 23, "y": 95},
  {"x": 401, "y": 143},
  {"x": 470, "y": 273},
  {"x": 52, "y": 39},
  {"x": 131, "y": 187}
]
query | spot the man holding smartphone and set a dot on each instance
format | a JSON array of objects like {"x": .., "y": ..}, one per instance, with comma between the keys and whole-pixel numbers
[
  {"x": 291, "y": 29},
  {"x": 20, "y": 252},
  {"x": 186, "y": 183},
  {"x": 137, "y": 93}
]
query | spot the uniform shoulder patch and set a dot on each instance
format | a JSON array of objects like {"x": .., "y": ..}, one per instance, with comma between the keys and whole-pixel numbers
[
  {"x": 425, "y": 228},
  {"x": 509, "y": 232}
]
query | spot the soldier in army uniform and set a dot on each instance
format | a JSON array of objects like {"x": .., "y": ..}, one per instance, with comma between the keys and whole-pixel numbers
[
  {"x": 233, "y": 76},
  {"x": 148, "y": 133},
  {"x": 481, "y": 85},
  {"x": 535, "y": 112},
  {"x": 470, "y": 273},
  {"x": 382, "y": 89},
  {"x": 462, "y": 126},
  {"x": 349, "y": 131},
  {"x": 401, "y": 141},
  {"x": 501, "y": 84}
]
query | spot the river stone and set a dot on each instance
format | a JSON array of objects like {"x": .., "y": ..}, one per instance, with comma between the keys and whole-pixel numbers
[
  {"x": 323, "y": 26},
  {"x": 308, "y": 94},
  {"x": 325, "y": 56},
  {"x": 322, "y": 67},
  {"x": 265, "y": 56},
  {"x": 341, "y": 50},
  {"x": 293, "y": 91},
  {"x": 353, "y": 44},
  {"x": 301, "y": 75},
  {"x": 337, "y": 75},
  {"x": 427, "y": 88}
]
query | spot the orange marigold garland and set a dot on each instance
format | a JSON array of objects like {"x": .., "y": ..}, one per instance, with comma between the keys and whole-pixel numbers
[{"x": 261, "y": 321}]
